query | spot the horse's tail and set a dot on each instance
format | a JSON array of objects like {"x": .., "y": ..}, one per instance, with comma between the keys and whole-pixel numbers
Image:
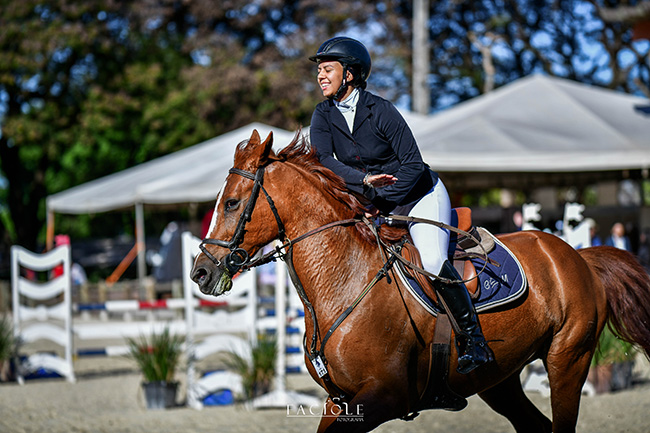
[{"x": 627, "y": 288}]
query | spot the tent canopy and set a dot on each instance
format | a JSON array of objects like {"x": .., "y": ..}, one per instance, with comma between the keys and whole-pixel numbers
[
  {"x": 539, "y": 124},
  {"x": 190, "y": 175}
]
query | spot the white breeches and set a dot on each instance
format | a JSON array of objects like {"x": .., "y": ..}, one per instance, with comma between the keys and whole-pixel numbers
[{"x": 431, "y": 241}]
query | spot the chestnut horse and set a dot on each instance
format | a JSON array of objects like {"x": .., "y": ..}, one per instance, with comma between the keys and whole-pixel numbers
[{"x": 378, "y": 357}]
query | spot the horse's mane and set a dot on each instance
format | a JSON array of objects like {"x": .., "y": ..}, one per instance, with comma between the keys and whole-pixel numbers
[{"x": 299, "y": 152}]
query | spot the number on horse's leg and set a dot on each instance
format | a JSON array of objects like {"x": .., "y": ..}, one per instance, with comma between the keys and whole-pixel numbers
[{"x": 508, "y": 399}]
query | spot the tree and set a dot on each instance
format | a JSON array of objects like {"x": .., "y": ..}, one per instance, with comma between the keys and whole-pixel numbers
[
  {"x": 91, "y": 88},
  {"x": 48, "y": 54},
  {"x": 494, "y": 43}
]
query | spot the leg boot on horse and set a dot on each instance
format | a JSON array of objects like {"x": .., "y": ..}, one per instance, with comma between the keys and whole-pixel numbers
[{"x": 473, "y": 350}]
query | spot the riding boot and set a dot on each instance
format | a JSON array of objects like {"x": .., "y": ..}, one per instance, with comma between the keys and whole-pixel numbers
[{"x": 473, "y": 350}]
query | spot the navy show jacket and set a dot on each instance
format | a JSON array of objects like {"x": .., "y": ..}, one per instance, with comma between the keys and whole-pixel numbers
[{"x": 381, "y": 142}]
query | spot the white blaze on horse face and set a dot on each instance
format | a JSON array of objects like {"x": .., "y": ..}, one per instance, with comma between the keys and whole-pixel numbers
[{"x": 213, "y": 223}]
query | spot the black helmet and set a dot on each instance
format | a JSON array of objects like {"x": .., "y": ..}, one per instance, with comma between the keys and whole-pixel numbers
[{"x": 346, "y": 50}]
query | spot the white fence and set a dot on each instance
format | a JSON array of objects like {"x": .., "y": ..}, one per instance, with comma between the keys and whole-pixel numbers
[
  {"x": 211, "y": 325},
  {"x": 33, "y": 320}
]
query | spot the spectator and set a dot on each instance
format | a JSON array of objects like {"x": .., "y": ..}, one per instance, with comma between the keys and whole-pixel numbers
[
  {"x": 593, "y": 232},
  {"x": 618, "y": 239}
]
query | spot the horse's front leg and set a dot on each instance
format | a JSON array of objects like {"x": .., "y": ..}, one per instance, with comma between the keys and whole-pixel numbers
[{"x": 363, "y": 413}]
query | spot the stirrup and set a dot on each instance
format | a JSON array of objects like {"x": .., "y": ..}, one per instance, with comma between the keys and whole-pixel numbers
[{"x": 478, "y": 354}]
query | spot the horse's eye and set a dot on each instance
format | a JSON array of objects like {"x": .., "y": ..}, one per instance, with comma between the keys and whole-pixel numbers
[{"x": 231, "y": 205}]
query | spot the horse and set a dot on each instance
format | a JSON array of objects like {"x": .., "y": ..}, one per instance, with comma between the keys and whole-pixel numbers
[{"x": 376, "y": 360}]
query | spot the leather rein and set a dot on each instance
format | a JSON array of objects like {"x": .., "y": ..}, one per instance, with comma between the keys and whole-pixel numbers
[{"x": 239, "y": 259}]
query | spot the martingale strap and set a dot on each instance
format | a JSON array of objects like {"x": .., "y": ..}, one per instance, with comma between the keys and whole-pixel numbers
[{"x": 315, "y": 355}]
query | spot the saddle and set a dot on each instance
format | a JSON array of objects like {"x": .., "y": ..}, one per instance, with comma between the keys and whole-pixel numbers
[
  {"x": 461, "y": 250},
  {"x": 492, "y": 281}
]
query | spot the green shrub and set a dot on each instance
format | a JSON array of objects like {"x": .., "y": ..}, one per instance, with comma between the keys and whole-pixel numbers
[
  {"x": 612, "y": 349},
  {"x": 8, "y": 343},
  {"x": 157, "y": 356},
  {"x": 258, "y": 373}
]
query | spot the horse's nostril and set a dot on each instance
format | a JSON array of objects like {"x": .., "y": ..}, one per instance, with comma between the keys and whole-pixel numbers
[{"x": 199, "y": 275}]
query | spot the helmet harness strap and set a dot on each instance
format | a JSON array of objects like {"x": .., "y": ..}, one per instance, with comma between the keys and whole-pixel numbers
[{"x": 344, "y": 84}]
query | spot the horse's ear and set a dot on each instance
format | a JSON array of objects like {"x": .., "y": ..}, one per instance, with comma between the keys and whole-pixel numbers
[
  {"x": 253, "y": 153},
  {"x": 260, "y": 151},
  {"x": 254, "y": 141},
  {"x": 267, "y": 148}
]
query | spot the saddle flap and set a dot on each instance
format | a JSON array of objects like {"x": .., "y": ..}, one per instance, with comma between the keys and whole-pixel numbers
[
  {"x": 411, "y": 253},
  {"x": 467, "y": 270}
]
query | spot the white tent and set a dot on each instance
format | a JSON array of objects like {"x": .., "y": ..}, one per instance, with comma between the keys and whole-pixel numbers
[
  {"x": 190, "y": 175},
  {"x": 539, "y": 124}
]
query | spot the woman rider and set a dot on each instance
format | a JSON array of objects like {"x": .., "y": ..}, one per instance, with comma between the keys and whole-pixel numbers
[{"x": 363, "y": 138}]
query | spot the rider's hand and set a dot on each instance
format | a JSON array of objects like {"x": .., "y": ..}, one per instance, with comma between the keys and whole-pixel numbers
[
  {"x": 379, "y": 180},
  {"x": 371, "y": 212}
]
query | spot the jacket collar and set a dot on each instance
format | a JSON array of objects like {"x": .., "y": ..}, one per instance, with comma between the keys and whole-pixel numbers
[
  {"x": 363, "y": 112},
  {"x": 364, "y": 108}
]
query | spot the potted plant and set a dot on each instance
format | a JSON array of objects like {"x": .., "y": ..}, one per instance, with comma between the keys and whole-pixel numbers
[
  {"x": 257, "y": 373},
  {"x": 157, "y": 357},
  {"x": 611, "y": 366}
]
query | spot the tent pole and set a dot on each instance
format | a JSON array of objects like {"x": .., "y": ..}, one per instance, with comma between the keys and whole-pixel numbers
[
  {"x": 49, "y": 236},
  {"x": 139, "y": 239},
  {"x": 421, "y": 96}
]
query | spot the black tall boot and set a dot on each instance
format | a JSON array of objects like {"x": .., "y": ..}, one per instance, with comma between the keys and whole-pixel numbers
[{"x": 473, "y": 350}]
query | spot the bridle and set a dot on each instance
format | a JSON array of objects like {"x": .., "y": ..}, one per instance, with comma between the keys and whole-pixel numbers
[{"x": 238, "y": 257}]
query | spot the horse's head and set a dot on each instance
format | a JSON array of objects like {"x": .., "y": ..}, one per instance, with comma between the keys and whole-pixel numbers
[{"x": 239, "y": 225}]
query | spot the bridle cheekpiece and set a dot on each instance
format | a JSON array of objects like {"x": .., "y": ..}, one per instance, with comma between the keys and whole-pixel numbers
[{"x": 238, "y": 257}]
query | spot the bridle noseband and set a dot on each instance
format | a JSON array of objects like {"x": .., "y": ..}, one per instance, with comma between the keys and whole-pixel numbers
[{"x": 238, "y": 257}]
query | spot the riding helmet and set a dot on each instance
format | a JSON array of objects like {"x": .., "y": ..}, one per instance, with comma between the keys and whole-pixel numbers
[{"x": 346, "y": 50}]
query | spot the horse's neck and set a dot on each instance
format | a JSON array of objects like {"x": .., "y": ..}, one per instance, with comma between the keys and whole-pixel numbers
[{"x": 333, "y": 265}]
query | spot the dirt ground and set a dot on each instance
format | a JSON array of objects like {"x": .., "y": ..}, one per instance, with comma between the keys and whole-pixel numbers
[{"x": 107, "y": 398}]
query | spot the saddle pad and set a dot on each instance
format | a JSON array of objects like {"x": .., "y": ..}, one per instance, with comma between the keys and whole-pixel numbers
[{"x": 499, "y": 284}]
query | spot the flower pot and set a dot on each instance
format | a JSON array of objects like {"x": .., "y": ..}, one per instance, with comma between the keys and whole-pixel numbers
[
  {"x": 622, "y": 375},
  {"x": 160, "y": 395},
  {"x": 600, "y": 376}
]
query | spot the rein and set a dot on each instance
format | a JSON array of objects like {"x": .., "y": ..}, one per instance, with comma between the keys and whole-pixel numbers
[{"x": 238, "y": 259}]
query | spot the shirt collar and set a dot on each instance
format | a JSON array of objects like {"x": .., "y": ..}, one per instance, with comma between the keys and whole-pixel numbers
[{"x": 349, "y": 103}]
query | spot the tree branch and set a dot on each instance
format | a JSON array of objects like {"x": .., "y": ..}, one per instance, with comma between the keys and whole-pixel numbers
[{"x": 626, "y": 14}]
